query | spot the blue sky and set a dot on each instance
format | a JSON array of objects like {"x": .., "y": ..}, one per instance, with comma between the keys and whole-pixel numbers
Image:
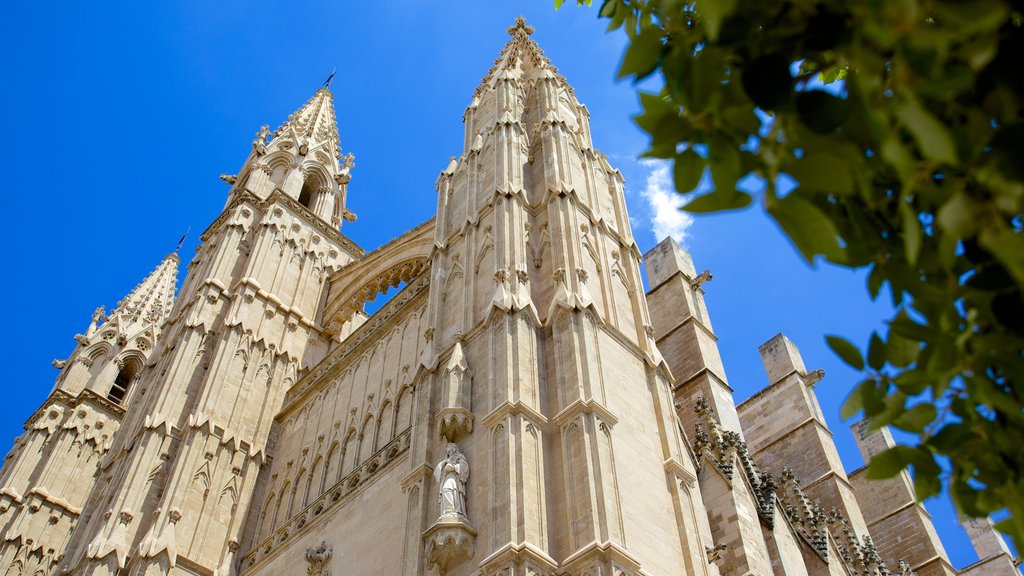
[{"x": 121, "y": 115}]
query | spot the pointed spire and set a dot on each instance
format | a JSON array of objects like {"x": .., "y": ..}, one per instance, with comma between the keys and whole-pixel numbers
[
  {"x": 151, "y": 301},
  {"x": 314, "y": 122},
  {"x": 521, "y": 57}
]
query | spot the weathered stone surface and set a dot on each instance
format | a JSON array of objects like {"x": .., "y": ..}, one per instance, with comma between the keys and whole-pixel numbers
[{"x": 262, "y": 423}]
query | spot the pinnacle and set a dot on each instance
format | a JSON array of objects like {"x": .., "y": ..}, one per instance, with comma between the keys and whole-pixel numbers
[
  {"x": 150, "y": 302},
  {"x": 520, "y": 27},
  {"x": 315, "y": 119},
  {"x": 521, "y": 49}
]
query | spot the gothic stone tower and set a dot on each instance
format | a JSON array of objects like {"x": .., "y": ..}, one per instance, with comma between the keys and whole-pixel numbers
[
  {"x": 174, "y": 488},
  {"x": 522, "y": 348},
  {"x": 48, "y": 475}
]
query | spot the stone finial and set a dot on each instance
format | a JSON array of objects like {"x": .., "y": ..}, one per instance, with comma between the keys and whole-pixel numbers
[{"x": 520, "y": 27}]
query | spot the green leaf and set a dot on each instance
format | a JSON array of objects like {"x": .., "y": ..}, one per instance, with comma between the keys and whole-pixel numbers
[
  {"x": 911, "y": 232},
  {"x": 957, "y": 216},
  {"x": 891, "y": 462},
  {"x": 607, "y": 9},
  {"x": 558, "y": 4},
  {"x": 932, "y": 137},
  {"x": 854, "y": 403},
  {"x": 718, "y": 201},
  {"x": 807, "y": 227},
  {"x": 714, "y": 12},
  {"x": 916, "y": 419},
  {"x": 687, "y": 171},
  {"x": 724, "y": 159},
  {"x": 904, "y": 326},
  {"x": 821, "y": 171},
  {"x": 926, "y": 485},
  {"x": 901, "y": 352},
  {"x": 706, "y": 80},
  {"x": 876, "y": 352},
  {"x": 642, "y": 55},
  {"x": 845, "y": 350},
  {"x": 875, "y": 280},
  {"x": 820, "y": 111},
  {"x": 767, "y": 82}
]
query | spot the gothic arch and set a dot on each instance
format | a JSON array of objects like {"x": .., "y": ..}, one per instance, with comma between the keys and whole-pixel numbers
[
  {"x": 401, "y": 260},
  {"x": 332, "y": 467},
  {"x": 403, "y": 409},
  {"x": 314, "y": 180},
  {"x": 312, "y": 485},
  {"x": 350, "y": 453},
  {"x": 366, "y": 447},
  {"x": 98, "y": 351},
  {"x": 130, "y": 368},
  {"x": 385, "y": 424}
]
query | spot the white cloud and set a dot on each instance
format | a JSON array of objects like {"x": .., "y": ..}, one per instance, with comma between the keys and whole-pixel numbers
[{"x": 664, "y": 202}]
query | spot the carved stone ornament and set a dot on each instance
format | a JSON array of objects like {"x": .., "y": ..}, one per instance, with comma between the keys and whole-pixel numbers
[
  {"x": 447, "y": 543},
  {"x": 318, "y": 558}
]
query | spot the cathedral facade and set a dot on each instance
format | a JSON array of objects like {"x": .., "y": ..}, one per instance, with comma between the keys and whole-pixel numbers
[{"x": 521, "y": 407}]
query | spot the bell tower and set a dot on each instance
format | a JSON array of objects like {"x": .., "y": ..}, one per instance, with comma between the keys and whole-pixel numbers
[
  {"x": 539, "y": 322},
  {"x": 50, "y": 472},
  {"x": 175, "y": 485}
]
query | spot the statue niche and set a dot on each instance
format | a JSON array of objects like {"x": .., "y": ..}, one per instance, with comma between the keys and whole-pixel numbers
[{"x": 456, "y": 418}]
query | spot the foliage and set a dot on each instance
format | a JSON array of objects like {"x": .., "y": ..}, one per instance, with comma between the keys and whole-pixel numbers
[{"x": 901, "y": 123}]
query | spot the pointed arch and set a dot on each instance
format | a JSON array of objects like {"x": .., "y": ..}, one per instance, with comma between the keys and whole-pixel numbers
[
  {"x": 127, "y": 375},
  {"x": 315, "y": 180},
  {"x": 403, "y": 412},
  {"x": 313, "y": 485},
  {"x": 279, "y": 514},
  {"x": 266, "y": 519},
  {"x": 332, "y": 467},
  {"x": 385, "y": 424},
  {"x": 366, "y": 439},
  {"x": 297, "y": 495},
  {"x": 349, "y": 455}
]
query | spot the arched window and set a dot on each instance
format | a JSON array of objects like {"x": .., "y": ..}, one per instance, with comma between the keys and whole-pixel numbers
[
  {"x": 309, "y": 192},
  {"x": 123, "y": 381}
]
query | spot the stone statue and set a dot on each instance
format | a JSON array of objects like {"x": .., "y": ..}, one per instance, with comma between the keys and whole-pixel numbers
[{"x": 451, "y": 475}]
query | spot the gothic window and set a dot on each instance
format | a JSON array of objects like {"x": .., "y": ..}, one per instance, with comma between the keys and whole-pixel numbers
[
  {"x": 307, "y": 196},
  {"x": 123, "y": 381}
]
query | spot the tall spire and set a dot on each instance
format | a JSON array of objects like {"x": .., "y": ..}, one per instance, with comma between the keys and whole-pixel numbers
[{"x": 149, "y": 303}]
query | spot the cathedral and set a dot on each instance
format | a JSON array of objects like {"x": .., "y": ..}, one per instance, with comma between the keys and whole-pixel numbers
[{"x": 521, "y": 407}]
